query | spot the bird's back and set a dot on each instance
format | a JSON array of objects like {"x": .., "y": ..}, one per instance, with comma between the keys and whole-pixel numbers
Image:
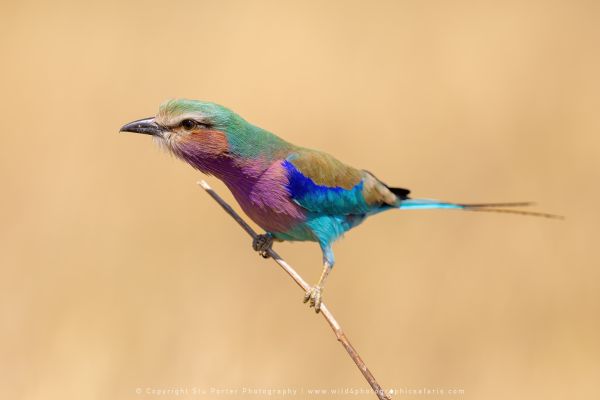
[{"x": 324, "y": 185}]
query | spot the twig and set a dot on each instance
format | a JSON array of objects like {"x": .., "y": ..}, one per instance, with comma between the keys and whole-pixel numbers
[{"x": 337, "y": 329}]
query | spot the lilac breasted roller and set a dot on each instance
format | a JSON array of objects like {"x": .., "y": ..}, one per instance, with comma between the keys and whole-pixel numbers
[{"x": 292, "y": 192}]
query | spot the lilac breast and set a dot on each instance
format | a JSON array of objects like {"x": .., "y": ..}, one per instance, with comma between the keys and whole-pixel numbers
[
  {"x": 266, "y": 199},
  {"x": 258, "y": 185}
]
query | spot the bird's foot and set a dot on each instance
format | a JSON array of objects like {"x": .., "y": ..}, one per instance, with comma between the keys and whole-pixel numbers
[
  {"x": 262, "y": 244},
  {"x": 314, "y": 295}
]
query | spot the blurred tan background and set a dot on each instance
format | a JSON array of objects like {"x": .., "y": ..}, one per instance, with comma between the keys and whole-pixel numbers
[{"x": 119, "y": 273}]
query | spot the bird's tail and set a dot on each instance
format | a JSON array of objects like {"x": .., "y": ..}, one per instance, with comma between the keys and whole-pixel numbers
[{"x": 423, "y": 204}]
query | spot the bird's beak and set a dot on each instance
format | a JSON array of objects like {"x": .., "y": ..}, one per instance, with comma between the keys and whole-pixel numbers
[{"x": 146, "y": 126}]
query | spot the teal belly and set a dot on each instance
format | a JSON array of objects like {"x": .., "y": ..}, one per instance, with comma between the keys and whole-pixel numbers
[{"x": 324, "y": 229}]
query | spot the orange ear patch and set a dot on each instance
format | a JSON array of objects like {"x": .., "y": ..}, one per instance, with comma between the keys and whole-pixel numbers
[{"x": 208, "y": 142}]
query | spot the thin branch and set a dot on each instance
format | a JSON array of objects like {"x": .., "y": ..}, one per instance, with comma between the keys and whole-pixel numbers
[{"x": 337, "y": 329}]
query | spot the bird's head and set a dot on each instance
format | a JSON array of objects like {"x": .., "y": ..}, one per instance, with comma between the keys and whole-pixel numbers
[
  {"x": 190, "y": 129},
  {"x": 209, "y": 136}
]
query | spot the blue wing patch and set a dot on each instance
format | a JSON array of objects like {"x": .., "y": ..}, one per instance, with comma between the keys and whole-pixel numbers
[{"x": 323, "y": 199}]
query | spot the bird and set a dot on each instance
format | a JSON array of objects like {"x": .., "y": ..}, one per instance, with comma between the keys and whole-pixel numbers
[{"x": 292, "y": 192}]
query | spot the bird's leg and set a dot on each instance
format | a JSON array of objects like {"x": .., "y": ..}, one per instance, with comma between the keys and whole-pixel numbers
[
  {"x": 262, "y": 243},
  {"x": 315, "y": 293}
]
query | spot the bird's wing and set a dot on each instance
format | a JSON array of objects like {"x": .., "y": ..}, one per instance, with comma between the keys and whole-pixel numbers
[{"x": 323, "y": 185}]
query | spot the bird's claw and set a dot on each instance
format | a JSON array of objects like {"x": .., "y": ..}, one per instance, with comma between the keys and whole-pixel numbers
[
  {"x": 262, "y": 244},
  {"x": 314, "y": 295}
]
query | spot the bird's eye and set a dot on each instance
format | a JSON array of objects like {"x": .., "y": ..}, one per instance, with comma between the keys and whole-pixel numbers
[{"x": 188, "y": 124}]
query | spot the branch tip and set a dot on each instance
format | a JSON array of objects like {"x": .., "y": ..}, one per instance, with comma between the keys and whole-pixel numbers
[{"x": 335, "y": 326}]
